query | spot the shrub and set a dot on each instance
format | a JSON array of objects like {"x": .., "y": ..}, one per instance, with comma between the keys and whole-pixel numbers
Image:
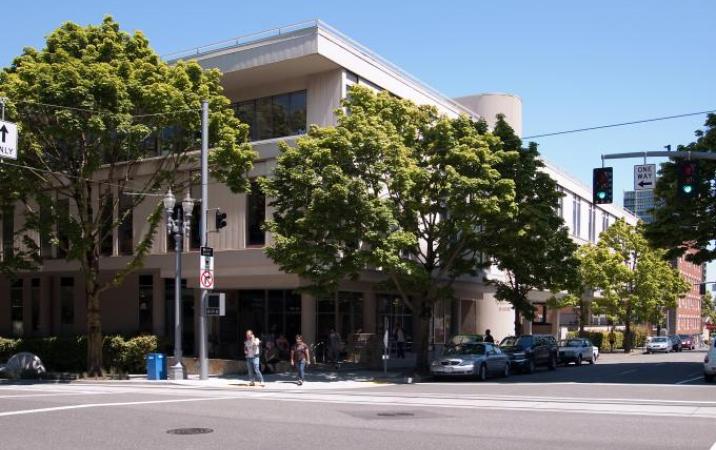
[
  {"x": 127, "y": 355},
  {"x": 8, "y": 347}
]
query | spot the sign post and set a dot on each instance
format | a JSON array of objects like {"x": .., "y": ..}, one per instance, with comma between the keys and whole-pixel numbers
[{"x": 644, "y": 177}]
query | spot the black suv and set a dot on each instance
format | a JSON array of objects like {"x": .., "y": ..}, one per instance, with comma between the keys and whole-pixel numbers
[{"x": 529, "y": 351}]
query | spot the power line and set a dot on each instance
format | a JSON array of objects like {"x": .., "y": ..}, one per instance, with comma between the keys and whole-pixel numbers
[{"x": 621, "y": 124}]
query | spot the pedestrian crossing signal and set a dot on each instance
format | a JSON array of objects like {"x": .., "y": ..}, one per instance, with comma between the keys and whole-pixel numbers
[
  {"x": 602, "y": 186},
  {"x": 687, "y": 174}
]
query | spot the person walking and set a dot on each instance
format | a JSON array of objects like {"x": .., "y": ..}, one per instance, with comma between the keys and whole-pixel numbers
[
  {"x": 300, "y": 357},
  {"x": 488, "y": 337},
  {"x": 252, "y": 352},
  {"x": 400, "y": 341}
]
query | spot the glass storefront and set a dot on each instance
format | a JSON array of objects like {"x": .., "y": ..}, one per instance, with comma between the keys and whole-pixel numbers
[{"x": 342, "y": 311}]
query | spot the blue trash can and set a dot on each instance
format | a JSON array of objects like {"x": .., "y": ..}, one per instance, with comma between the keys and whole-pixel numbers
[{"x": 156, "y": 366}]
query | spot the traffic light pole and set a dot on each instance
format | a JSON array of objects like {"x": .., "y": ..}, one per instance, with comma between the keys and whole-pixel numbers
[
  {"x": 203, "y": 335},
  {"x": 663, "y": 154}
]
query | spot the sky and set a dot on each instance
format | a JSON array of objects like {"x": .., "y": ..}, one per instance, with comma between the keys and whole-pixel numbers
[{"x": 574, "y": 64}]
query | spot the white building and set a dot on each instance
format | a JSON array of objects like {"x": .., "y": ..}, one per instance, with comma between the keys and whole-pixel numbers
[{"x": 280, "y": 81}]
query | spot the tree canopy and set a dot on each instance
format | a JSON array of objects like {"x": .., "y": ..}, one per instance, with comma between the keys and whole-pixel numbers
[
  {"x": 394, "y": 188},
  {"x": 103, "y": 122},
  {"x": 532, "y": 246},
  {"x": 680, "y": 225}
]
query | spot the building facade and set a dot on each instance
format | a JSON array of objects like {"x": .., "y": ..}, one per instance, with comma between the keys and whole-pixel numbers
[
  {"x": 641, "y": 204},
  {"x": 280, "y": 82}
]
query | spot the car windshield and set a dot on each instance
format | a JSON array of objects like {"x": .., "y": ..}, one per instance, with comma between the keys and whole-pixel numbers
[
  {"x": 659, "y": 339},
  {"x": 465, "y": 349},
  {"x": 571, "y": 343}
]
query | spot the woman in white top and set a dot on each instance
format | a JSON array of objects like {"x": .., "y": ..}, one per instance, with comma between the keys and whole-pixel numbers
[{"x": 252, "y": 351}]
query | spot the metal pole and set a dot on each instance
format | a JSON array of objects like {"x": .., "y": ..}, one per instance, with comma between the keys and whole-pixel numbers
[
  {"x": 203, "y": 335},
  {"x": 178, "y": 369}
]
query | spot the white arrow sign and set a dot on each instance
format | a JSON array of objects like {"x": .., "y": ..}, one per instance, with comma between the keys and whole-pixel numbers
[
  {"x": 8, "y": 140},
  {"x": 644, "y": 177}
]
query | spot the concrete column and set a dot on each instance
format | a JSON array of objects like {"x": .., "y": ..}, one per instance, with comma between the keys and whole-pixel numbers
[
  {"x": 308, "y": 318},
  {"x": 369, "y": 312},
  {"x": 526, "y": 326}
]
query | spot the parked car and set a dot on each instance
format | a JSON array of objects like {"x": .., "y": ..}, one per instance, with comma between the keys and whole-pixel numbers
[
  {"x": 480, "y": 360},
  {"x": 687, "y": 342},
  {"x": 710, "y": 362},
  {"x": 675, "y": 343},
  {"x": 527, "y": 352},
  {"x": 576, "y": 350},
  {"x": 660, "y": 344}
]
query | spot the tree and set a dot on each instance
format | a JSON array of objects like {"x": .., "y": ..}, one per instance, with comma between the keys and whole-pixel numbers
[
  {"x": 708, "y": 309},
  {"x": 532, "y": 247},
  {"x": 632, "y": 281},
  {"x": 394, "y": 187},
  {"x": 89, "y": 105},
  {"x": 681, "y": 225}
]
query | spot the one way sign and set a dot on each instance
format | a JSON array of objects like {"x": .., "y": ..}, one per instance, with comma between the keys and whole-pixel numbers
[
  {"x": 644, "y": 177},
  {"x": 8, "y": 140}
]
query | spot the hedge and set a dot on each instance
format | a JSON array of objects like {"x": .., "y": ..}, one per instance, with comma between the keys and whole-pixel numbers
[
  {"x": 601, "y": 338},
  {"x": 69, "y": 354}
]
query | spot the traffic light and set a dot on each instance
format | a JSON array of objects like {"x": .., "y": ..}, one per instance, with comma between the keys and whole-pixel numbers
[
  {"x": 687, "y": 178},
  {"x": 220, "y": 219},
  {"x": 702, "y": 288},
  {"x": 602, "y": 191}
]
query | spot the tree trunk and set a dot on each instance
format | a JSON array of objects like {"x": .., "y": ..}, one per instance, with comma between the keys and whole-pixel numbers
[
  {"x": 518, "y": 323},
  {"x": 421, "y": 334},
  {"x": 627, "y": 336},
  {"x": 94, "y": 336}
]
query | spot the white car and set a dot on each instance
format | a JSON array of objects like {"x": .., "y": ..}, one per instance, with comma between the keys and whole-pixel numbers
[
  {"x": 576, "y": 350},
  {"x": 659, "y": 344},
  {"x": 710, "y": 362}
]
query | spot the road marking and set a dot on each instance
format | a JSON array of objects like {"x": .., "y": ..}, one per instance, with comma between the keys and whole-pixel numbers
[
  {"x": 627, "y": 371},
  {"x": 690, "y": 380}
]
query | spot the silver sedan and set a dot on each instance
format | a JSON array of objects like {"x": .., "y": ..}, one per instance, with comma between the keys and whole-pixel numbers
[{"x": 480, "y": 360}]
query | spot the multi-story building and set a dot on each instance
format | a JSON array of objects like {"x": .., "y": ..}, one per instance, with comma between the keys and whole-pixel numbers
[
  {"x": 280, "y": 81},
  {"x": 641, "y": 204}
]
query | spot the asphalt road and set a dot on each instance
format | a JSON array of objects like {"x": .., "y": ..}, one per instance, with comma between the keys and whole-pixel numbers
[{"x": 625, "y": 402}]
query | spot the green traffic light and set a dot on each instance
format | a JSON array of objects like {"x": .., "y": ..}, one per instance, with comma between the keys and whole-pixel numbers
[
  {"x": 602, "y": 195},
  {"x": 687, "y": 189}
]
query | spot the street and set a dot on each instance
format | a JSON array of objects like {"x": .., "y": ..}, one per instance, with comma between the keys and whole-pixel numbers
[{"x": 625, "y": 401}]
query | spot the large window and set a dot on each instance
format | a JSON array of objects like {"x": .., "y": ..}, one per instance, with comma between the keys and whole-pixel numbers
[
  {"x": 255, "y": 216},
  {"x": 576, "y": 216},
  {"x": 592, "y": 224},
  {"x": 106, "y": 230},
  {"x": 146, "y": 302},
  {"x": 342, "y": 311},
  {"x": 63, "y": 223},
  {"x": 8, "y": 231},
  {"x": 35, "y": 303},
  {"x": 275, "y": 116},
  {"x": 45, "y": 231},
  {"x": 16, "y": 308},
  {"x": 125, "y": 232},
  {"x": 67, "y": 300}
]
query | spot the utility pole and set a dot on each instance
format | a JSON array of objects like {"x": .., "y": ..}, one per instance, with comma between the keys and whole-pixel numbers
[{"x": 203, "y": 335}]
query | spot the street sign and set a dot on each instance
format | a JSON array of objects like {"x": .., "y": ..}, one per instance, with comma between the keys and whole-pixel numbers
[
  {"x": 216, "y": 304},
  {"x": 644, "y": 177},
  {"x": 206, "y": 268},
  {"x": 8, "y": 140}
]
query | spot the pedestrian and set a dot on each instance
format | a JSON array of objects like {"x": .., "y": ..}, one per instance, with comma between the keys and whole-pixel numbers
[
  {"x": 612, "y": 340},
  {"x": 252, "y": 352},
  {"x": 400, "y": 341},
  {"x": 488, "y": 337},
  {"x": 300, "y": 358},
  {"x": 334, "y": 346}
]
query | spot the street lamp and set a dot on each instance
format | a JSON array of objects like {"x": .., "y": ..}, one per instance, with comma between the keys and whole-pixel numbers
[{"x": 178, "y": 225}]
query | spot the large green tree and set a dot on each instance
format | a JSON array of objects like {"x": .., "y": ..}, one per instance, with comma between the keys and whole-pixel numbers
[
  {"x": 104, "y": 122},
  {"x": 394, "y": 188},
  {"x": 532, "y": 247},
  {"x": 680, "y": 225},
  {"x": 632, "y": 281}
]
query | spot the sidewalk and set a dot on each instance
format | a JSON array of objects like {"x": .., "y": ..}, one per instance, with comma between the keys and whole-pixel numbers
[{"x": 315, "y": 379}]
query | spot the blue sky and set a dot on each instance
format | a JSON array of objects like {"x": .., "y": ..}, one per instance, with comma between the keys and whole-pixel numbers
[{"x": 575, "y": 64}]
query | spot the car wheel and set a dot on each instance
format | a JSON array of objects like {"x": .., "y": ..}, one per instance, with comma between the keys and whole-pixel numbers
[
  {"x": 506, "y": 371},
  {"x": 482, "y": 373},
  {"x": 531, "y": 366},
  {"x": 552, "y": 363},
  {"x": 578, "y": 362}
]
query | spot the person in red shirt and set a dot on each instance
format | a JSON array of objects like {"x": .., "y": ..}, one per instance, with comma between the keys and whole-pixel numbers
[{"x": 300, "y": 357}]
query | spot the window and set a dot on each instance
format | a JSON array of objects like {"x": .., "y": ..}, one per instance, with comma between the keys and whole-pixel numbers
[
  {"x": 106, "y": 244},
  {"x": 560, "y": 205},
  {"x": 125, "y": 232},
  {"x": 35, "y": 302},
  {"x": 274, "y": 116},
  {"x": 16, "y": 308},
  {"x": 67, "y": 300},
  {"x": 146, "y": 302},
  {"x": 540, "y": 313},
  {"x": 45, "y": 241},
  {"x": 576, "y": 216},
  {"x": 63, "y": 223},
  {"x": 8, "y": 231},
  {"x": 605, "y": 221},
  {"x": 592, "y": 225},
  {"x": 255, "y": 216}
]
